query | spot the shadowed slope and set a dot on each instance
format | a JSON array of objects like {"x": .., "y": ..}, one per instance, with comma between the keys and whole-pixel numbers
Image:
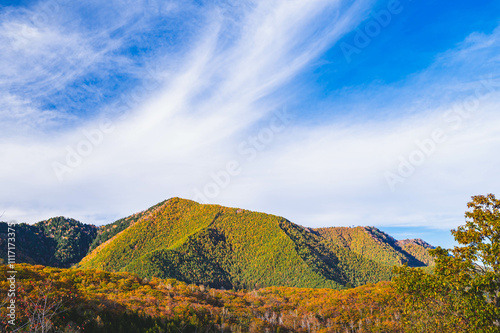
[
  {"x": 58, "y": 241},
  {"x": 229, "y": 247},
  {"x": 377, "y": 245}
]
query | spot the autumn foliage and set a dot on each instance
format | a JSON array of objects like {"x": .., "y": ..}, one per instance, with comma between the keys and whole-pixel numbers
[
  {"x": 463, "y": 292},
  {"x": 241, "y": 269},
  {"x": 98, "y": 301},
  {"x": 235, "y": 248}
]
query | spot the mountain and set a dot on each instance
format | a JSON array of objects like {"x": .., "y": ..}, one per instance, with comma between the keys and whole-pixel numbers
[
  {"x": 235, "y": 248},
  {"x": 379, "y": 246},
  {"x": 108, "y": 231},
  {"x": 419, "y": 249},
  {"x": 58, "y": 242}
]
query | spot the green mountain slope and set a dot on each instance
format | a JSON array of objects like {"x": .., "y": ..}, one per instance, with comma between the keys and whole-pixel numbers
[
  {"x": 229, "y": 247},
  {"x": 58, "y": 242},
  {"x": 108, "y": 231},
  {"x": 419, "y": 249},
  {"x": 377, "y": 245}
]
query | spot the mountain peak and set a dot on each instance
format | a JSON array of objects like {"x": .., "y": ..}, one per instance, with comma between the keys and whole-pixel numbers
[
  {"x": 222, "y": 246},
  {"x": 416, "y": 241}
]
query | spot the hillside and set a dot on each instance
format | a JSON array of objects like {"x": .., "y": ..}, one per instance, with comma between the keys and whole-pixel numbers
[
  {"x": 418, "y": 249},
  {"x": 108, "y": 231},
  {"x": 434, "y": 298},
  {"x": 378, "y": 246},
  {"x": 228, "y": 247},
  {"x": 97, "y": 301},
  {"x": 58, "y": 242}
]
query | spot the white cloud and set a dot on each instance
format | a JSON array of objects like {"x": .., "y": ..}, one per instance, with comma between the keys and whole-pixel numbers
[
  {"x": 335, "y": 176},
  {"x": 165, "y": 145},
  {"x": 219, "y": 95},
  {"x": 47, "y": 48}
]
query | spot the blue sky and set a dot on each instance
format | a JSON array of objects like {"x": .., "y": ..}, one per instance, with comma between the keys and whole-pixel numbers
[{"x": 328, "y": 113}]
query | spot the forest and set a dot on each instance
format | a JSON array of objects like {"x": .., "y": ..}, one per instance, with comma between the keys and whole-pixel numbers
[{"x": 460, "y": 292}]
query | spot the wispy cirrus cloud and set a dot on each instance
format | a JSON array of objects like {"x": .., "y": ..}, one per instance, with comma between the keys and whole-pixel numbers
[
  {"x": 195, "y": 94},
  {"x": 64, "y": 64},
  {"x": 341, "y": 165},
  {"x": 209, "y": 96}
]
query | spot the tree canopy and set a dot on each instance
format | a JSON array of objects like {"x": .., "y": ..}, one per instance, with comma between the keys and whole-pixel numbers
[{"x": 462, "y": 294}]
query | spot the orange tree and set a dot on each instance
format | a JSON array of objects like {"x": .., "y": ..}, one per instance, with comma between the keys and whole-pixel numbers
[{"x": 462, "y": 293}]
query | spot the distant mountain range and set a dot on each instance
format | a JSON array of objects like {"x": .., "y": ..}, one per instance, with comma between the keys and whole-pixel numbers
[
  {"x": 220, "y": 247},
  {"x": 58, "y": 242}
]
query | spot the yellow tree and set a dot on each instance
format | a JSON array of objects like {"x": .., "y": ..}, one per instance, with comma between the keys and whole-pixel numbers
[{"x": 462, "y": 294}]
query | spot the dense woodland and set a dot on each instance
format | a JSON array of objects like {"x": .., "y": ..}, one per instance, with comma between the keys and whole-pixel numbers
[
  {"x": 235, "y": 248},
  {"x": 59, "y": 241},
  {"x": 98, "y": 301},
  {"x": 460, "y": 293}
]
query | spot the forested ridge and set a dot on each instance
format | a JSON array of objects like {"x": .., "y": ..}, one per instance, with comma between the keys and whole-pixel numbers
[
  {"x": 218, "y": 246},
  {"x": 460, "y": 292},
  {"x": 58, "y": 241},
  {"x": 235, "y": 248}
]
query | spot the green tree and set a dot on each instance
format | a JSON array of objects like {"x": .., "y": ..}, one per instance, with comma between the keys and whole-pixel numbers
[{"x": 462, "y": 294}]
